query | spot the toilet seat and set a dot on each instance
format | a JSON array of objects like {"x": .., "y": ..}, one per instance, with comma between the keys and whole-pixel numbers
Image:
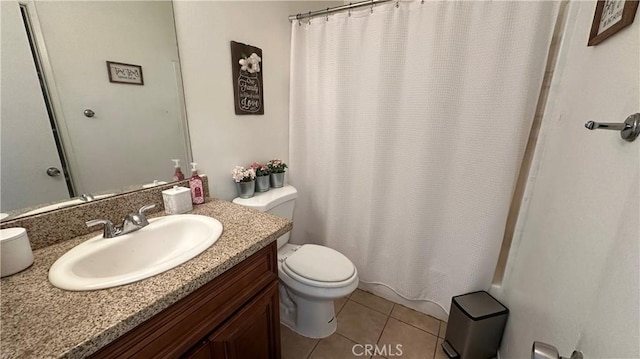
[{"x": 319, "y": 266}]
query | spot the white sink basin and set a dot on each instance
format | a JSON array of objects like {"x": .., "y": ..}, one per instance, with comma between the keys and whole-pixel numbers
[
  {"x": 59, "y": 205},
  {"x": 165, "y": 243}
]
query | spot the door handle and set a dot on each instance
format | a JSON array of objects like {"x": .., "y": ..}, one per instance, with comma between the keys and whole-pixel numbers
[
  {"x": 53, "y": 172},
  {"x": 89, "y": 112}
]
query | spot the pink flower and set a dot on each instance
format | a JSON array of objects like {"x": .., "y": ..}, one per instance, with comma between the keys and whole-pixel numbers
[{"x": 276, "y": 166}]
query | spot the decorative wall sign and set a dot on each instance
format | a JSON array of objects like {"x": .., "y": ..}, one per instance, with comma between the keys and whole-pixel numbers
[
  {"x": 610, "y": 17},
  {"x": 125, "y": 73},
  {"x": 246, "y": 70}
]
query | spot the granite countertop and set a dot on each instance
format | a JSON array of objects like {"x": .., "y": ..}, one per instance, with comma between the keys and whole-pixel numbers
[{"x": 42, "y": 321}]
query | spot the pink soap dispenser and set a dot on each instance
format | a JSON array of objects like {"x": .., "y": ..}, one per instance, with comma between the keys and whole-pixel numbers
[
  {"x": 195, "y": 183},
  {"x": 178, "y": 175}
]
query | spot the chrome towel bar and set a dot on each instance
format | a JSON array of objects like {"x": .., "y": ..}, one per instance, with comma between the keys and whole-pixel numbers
[{"x": 629, "y": 129}]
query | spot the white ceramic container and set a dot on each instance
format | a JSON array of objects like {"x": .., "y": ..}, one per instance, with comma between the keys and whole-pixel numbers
[{"x": 15, "y": 251}]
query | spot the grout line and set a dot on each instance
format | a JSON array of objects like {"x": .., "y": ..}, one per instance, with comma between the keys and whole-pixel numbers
[
  {"x": 411, "y": 325},
  {"x": 393, "y": 304},
  {"x": 341, "y": 307},
  {"x": 385, "y": 324},
  {"x": 358, "y": 303},
  {"x": 340, "y": 335},
  {"x": 314, "y": 348},
  {"x": 439, "y": 329},
  {"x": 435, "y": 347},
  {"x": 336, "y": 333}
]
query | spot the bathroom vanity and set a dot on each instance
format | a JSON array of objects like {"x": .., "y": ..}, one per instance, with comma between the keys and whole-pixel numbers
[
  {"x": 233, "y": 316},
  {"x": 222, "y": 303}
]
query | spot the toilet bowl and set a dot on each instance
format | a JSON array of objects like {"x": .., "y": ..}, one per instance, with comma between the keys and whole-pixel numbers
[{"x": 311, "y": 276}]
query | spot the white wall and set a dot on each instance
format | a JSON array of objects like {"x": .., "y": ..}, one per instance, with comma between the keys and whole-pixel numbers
[
  {"x": 572, "y": 275},
  {"x": 25, "y": 130},
  {"x": 221, "y": 140}
]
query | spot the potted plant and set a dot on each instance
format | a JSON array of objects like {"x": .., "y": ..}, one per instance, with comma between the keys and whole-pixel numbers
[
  {"x": 245, "y": 181},
  {"x": 262, "y": 176},
  {"x": 276, "y": 169}
]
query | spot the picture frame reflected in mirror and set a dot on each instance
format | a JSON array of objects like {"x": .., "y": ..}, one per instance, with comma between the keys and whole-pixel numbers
[{"x": 125, "y": 73}]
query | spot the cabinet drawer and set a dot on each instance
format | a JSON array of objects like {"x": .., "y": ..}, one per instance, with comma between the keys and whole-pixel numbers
[{"x": 182, "y": 325}]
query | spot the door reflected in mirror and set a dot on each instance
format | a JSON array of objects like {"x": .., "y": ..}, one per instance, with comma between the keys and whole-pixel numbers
[{"x": 68, "y": 130}]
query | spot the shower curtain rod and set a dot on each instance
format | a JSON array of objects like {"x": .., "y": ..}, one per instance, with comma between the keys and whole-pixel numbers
[{"x": 331, "y": 10}]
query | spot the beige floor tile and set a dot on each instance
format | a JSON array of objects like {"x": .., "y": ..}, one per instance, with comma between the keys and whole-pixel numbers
[
  {"x": 339, "y": 303},
  {"x": 417, "y": 319},
  {"x": 372, "y": 301},
  {"x": 443, "y": 329},
  {"x": 360, "y": 324},
  {"x": 295, "y": 346},
  {"x": 415, "y": 343},
  {"x": 334, "y": 347},
  {"x": 439, "y": 352}
]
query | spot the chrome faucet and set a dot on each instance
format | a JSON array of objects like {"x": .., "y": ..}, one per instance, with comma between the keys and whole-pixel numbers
[
  {"x": 132, "y": 222},
  {"x": 135, "y": 221}
]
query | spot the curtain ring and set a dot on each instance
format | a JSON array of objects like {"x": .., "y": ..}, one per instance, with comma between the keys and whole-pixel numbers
[
  {"x": 397, "y": 4},
  {"x": 309, "y": 21},
  {"x": 327, "y": 17},
  {"x": 422, "y": 2},
  {"x": 350, "y": 4},
  {"x": 298, "y": 18}
]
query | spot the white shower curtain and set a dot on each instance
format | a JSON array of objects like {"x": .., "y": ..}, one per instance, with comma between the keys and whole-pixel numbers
[{"x": 407, "y": 128}]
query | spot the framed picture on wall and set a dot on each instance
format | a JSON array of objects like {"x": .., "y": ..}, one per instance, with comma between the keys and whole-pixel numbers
[
  {"x": 125, "y": 73},
  {"x": 611, "y": 16},
  {"x": 246, "y": 70}
]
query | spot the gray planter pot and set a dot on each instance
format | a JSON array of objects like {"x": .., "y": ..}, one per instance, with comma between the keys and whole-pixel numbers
[
  {"x": 277, "y": 179},
  {"x": 246, "y": 189},
  {"x": 262, "y": 183}
]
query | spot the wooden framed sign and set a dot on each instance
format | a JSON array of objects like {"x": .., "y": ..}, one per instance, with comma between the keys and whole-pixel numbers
[
  {"x": 610, "y": 17},
  {"x": 125, "y": 73},
  {"x": 246, "y": 69}
]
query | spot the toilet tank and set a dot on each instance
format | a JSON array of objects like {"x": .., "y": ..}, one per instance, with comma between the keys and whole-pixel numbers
[{"x": 277, "y": 201}]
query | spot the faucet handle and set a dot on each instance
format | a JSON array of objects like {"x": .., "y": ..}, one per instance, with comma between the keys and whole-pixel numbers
[
  {"x": 141, "y": 218},
  {"x": 146, "y": 208},
  {"x": 109, "y": 231}
]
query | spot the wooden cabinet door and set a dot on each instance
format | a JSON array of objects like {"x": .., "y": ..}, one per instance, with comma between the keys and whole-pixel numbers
[{"x": 254, "y": 332}]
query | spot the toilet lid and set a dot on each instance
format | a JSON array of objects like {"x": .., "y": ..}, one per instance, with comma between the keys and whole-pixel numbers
[{"x": 319, "y": 263}]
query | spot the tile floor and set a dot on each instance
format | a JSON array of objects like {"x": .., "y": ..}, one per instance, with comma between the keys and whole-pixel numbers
[{"x": 364, "y": 318}]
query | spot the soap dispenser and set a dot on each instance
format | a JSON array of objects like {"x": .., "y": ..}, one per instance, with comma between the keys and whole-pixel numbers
[
  {"x": 195, "y": 183},
  {"x": 178, "y": 175}
]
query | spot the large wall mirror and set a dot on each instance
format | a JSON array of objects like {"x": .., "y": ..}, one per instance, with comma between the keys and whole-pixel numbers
[{"x": 67, "y": 128}]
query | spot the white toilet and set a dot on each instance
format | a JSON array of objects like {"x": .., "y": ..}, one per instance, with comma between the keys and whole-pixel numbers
[{"x": 311, "y": 276}]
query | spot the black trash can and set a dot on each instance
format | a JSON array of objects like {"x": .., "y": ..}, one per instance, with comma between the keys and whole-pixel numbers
[{"x": 475, "y": 327}]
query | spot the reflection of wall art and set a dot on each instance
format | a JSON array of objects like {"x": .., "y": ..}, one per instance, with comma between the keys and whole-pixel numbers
[
  {"x": 610, "y": 17},
  {"x": 125, "y": 73},
  {"x": 246, "y": 69}
]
